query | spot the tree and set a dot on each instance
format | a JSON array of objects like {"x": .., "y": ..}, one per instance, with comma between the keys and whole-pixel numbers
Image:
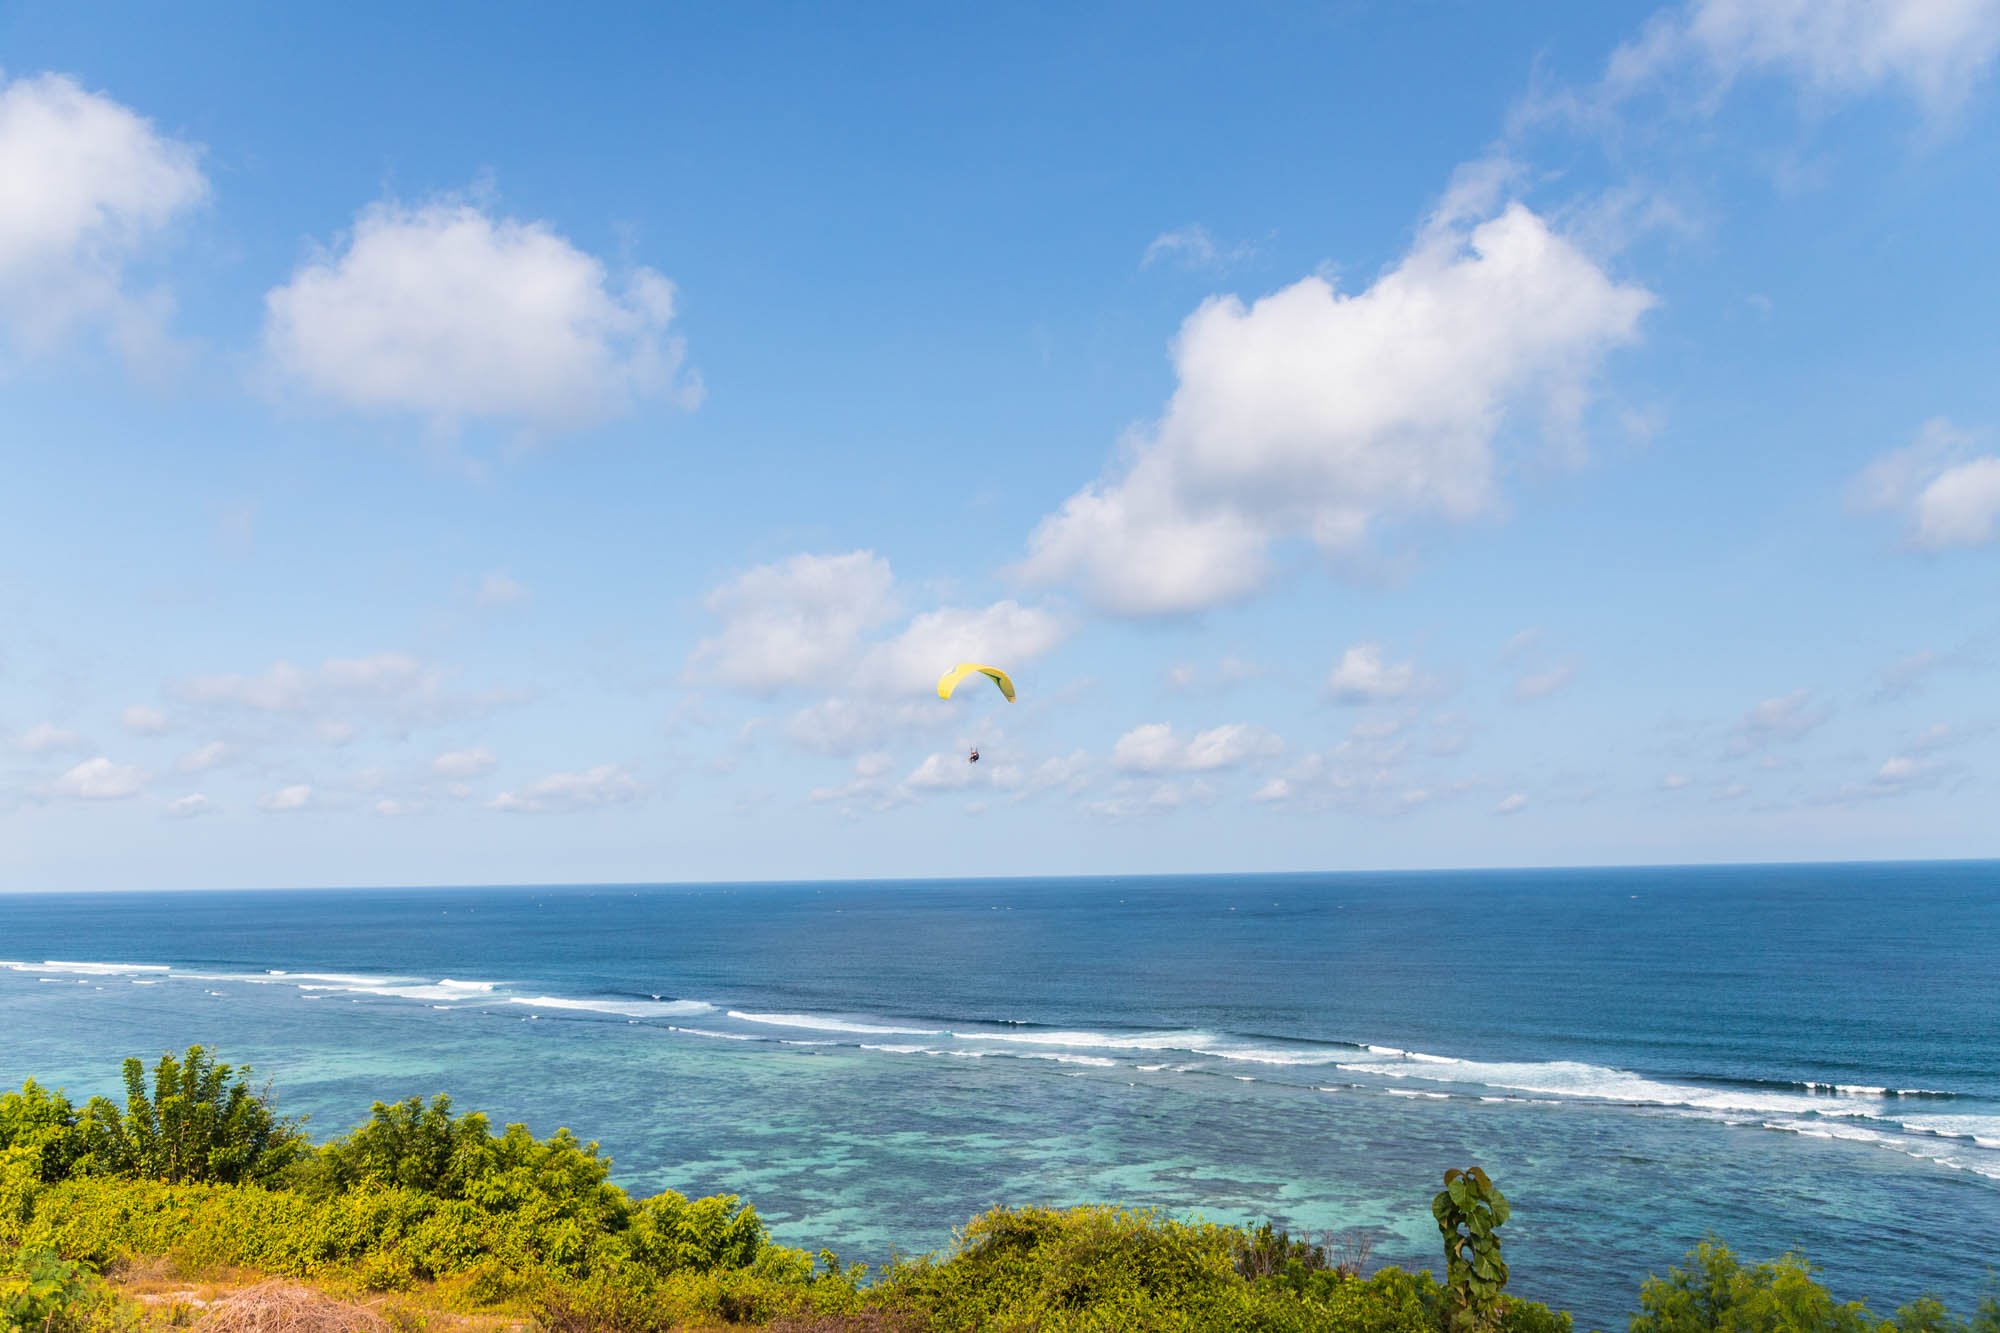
[{"x": 200, "y": 1122}]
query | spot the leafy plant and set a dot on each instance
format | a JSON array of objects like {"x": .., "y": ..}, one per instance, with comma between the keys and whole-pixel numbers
[
  {"x": 200, "y": 1121},
  {"x": 42, "y": 1293},
  {"x": 1469, "y": 1213}
]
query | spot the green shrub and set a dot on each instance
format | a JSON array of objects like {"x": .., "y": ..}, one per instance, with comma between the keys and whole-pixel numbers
[
  {"x": 1469, "y": 1212},
  {"x": 201, "y": 1121},
  {"x": 41, "y": 1293},
  {"x": 1715, "y": 1293},
  {"x": 38, "y": 1129}
]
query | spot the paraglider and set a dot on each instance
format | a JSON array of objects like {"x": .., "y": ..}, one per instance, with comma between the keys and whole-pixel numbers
[{"x": 949, "y": 682}]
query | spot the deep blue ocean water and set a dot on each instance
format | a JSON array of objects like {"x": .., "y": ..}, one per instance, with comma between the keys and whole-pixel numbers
[{"x": 1785, "y": 1056}]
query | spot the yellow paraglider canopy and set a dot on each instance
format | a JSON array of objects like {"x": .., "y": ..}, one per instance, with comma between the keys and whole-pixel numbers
[{"x": 949, "y": 680}]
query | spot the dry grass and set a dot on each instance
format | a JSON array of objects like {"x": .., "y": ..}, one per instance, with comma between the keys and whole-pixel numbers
[{"x": 281, "y": 1307}]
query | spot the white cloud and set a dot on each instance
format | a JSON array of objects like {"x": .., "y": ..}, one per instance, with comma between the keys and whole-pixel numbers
[
  {"x": 497, "y": 589},
  {"x": 89, "y": 185},
  {"x": 793, "y": 622},
  {"x": 392, "y": 688},
  {"x": 1960, "y": 506},
  {"x": 205, "y": 757},
  {"x": 1193, "y": 247},
  {"x": 806, "y": 622},
  {"x": 1513, "y": 804},
  {"x": 869, "y": 782},
  {"x": 1362, "y": 676},
  {"x": 1154, "y": 748},
  {"x": 1134, "y": 798},
  {"x": 1935, "y": 50},
  {"x": 1675, "y": 781},
  {"x": 47, "y": 737},
  {"x": 1539, "y": 685},
  {"x": 559, "y": 793},
  {"x": 1232, "y": 670},
  {"x": 1904, "y": 675},
  {"x": 1005, "y": 632},
  {"x": 941, "y": 772},
  {"x": 1070, "y": 773},
  {"x": 450, "y": 313},
  {"x": 1781, "y": 720},
  {"x": 186, "y": 807},
  {"x": 1947, "y": 496},
  {"x": 100, "y": 779},
  {"x": 845, "y": 726},
  {"x": 1315, "y": 415},
  {"x": 476, "y": 762},
  {"x": 296, "y": 797},
  {"x": 143, "y": 721}
]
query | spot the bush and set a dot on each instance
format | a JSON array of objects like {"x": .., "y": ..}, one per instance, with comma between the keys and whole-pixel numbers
[
  {"x": 201, "y": 1122},
  {"x": 41, "y": 1293},
  {"x": 38, "y": 1132}
]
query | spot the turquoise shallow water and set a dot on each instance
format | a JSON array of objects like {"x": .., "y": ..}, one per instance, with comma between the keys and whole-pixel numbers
[{"x": 1786, "y": 1056}]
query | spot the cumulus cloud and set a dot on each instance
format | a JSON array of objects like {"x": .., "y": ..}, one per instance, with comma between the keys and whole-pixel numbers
[
  {"x": 90, "y": 184},
  {"x": 186, "y": 807},
  {"x": 1230, "y": 671},
  {"x": 1364, "y": 676},
  {"x": 296, "y": 797},
  {"x": 204, "y": 757},
  {"x": 143, "y": 721},
  {"x": 1675, "y": 781},
  {"x": 393, "y": 688},
  {"x": 47, "y": 737},
  {"x": 1155, "y": 748},
  {"x": 941, "y": 772},
  {"x": 476, "y": 762},
  {"x": 1946, "y": 493},
  {"x": 100, "y": 779},
  {"x": 1933, "y": 50},
  {"x": 1313, "y": 414},
  {"x": 562, "y": 793},
  {"x": 1511, "y": 805},
  {"x": 1003, "y": 632},
  {"x": 450, "y": 313},
  {"x": 792, "y": 622},
  {"x": 818, "y": 622},
  {"x": 1782, "y": 720},
  {"x": 869, "y": 779},
  {"x": 497, "y": 589},
  {"x": 1541, "y": 684},
  {"x": 1134, "y": 798}
]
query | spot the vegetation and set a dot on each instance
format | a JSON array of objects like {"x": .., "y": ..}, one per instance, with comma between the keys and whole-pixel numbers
[
  {"x": 198, "y": 1169},
  {"x": 1469, "y": 1212}
]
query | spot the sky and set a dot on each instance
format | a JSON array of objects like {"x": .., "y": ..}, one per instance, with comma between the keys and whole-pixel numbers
[{"x": 475, "y": 444}]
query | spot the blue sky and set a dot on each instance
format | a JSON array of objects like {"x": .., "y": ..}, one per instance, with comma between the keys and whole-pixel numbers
[{"x": 489, "y": 446}]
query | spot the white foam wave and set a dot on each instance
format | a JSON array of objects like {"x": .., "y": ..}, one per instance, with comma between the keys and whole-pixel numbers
[
  {"x": 623, "y": 1008},
  {"x": 1100, "y": 1041},
  {"x": 1068, "y": 1058},
  {"x": 1931, "y": 1150},
  {"x": 720, "y": 1036},
  {"x": 87, "y": 969},
  {"x": 1570, "y": 1078},
  {"x": 817, "y": 1023}
]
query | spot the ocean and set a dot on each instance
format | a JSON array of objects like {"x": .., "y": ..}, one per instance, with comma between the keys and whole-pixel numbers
[{"x": 1801, "y": 1056}]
